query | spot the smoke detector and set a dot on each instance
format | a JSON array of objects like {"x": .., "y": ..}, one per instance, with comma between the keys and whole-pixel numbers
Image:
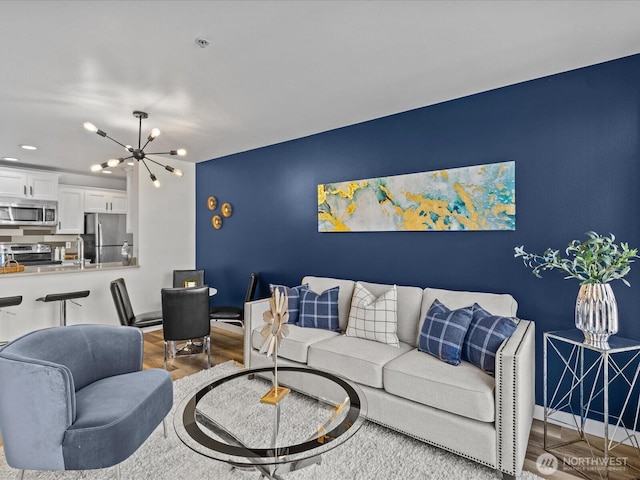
[{"x": 202, "y": 42}]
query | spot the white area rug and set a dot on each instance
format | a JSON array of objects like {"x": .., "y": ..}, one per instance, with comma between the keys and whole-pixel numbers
[{"x": 373, "y": 453}]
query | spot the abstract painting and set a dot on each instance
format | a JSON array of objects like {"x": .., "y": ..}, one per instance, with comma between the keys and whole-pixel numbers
[{"x": 480, "y": 197}]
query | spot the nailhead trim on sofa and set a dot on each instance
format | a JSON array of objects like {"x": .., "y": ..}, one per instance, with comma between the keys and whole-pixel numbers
[{"x": 511, "y": 470}]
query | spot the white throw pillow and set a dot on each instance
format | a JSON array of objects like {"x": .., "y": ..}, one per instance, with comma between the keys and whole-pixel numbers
[{"x": 374, "y": 318}]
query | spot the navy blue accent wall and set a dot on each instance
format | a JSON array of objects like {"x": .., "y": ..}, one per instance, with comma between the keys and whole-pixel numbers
[{"x": 573, "y": 136}]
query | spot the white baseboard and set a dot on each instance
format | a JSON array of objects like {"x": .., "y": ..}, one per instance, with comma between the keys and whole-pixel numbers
[
  {"x": 592, "y": 427},
  {"x": 232, "y": 327}
]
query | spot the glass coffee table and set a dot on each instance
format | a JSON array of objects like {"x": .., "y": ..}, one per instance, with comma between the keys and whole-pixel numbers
[{"x": 226, "y": 420}]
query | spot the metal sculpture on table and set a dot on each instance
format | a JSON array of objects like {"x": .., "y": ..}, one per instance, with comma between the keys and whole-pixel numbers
[{"x": 273, "y": 332}]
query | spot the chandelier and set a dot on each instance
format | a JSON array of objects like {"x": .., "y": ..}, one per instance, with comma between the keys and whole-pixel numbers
[{"x": 138, "y": 153}]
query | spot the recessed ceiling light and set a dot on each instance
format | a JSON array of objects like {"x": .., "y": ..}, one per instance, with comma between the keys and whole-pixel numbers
[
  {"x": 28, "y": 147},
  {"x": 131, "y": 164},
  {"x": 106, "y": 171},
  {"x": 10, "y": 159}
]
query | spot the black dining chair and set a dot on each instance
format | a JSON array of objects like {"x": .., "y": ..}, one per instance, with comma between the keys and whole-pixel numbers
[
  {"x": 181, "y": 277},
  {"x": 185, "y": 315},
  {"x": 233, "y": 314},
  {"x": 125, "y": 310}
]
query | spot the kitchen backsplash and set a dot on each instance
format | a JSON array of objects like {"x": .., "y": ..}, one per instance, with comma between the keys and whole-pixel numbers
[{"x": 20, "y": 235}]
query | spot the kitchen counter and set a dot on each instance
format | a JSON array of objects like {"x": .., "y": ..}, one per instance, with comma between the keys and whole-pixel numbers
[
  {"x": 56, "y": 269},
  {"x": 97, "y": 308}
]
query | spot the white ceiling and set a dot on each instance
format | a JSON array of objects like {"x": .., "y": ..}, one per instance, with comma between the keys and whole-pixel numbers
[{"x": 274, "y": 70}]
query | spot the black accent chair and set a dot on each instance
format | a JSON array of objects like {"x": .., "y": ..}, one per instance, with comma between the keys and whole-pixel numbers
[
  {"x": 182, "y": 276},
  {"x": 231, "y": 314},
  {"x": 185, "y": 314},
  {"x": 125, "y": 310}
]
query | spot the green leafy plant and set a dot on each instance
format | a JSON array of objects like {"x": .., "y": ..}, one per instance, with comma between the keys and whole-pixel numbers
[{"x": 597, "y": 260}]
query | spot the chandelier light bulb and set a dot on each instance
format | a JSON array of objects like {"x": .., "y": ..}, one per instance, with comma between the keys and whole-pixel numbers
[
  {"x": 182, "y": 152},
  {"x": 155, "y": 181},
  {"x": 176, "y": 171},
  {"x": 91, "y": 127},
  {"x": 155, "y": 133},
  {"x": 113, "y": 162},
  {"x": 96, "y": 168}
]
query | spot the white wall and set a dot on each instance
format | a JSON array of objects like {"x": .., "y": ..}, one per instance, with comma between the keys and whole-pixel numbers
[
  {"x": 94, "y": 180},
  {"x": 167, "y": 231},
  {"x": 166, "y": 236}
]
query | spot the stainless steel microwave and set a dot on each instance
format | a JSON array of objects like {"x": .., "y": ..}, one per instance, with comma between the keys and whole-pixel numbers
[{"x": 22, "y": 211}]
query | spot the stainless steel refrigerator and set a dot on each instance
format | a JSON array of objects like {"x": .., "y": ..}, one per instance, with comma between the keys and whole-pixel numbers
[{"x": 104, "y": 236}]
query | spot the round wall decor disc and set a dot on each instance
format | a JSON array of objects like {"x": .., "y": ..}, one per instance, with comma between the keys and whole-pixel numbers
[
  {"x": 226, "y": 209},
  {"x": 212, "y": 202},
  {"x": 216, "y": 221}
]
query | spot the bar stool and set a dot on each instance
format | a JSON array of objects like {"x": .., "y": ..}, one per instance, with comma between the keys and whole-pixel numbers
[
  {"x": 62, "y": 298},
  {"x": 9, "y": 302}
]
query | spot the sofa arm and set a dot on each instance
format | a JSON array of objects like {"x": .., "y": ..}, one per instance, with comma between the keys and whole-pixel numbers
[
  {"x": 37, "y": 405},
  {"x": 515, "y": 397},
  {"x": 252, "y": 319}
]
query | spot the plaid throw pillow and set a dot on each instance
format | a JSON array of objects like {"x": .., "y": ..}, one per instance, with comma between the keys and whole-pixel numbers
[
  {"x": 485, "y": 335},
  {"x": 443, "y": 332},
  {"x": 319, "y": 311},
  {"x": 293, "y": 299},
  {"x": 374, "y": 318}
]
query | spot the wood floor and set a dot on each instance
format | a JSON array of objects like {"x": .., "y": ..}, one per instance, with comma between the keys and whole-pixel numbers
[
  {"x": 227, "y": 345},
  {"x": 578, "y": 456}
]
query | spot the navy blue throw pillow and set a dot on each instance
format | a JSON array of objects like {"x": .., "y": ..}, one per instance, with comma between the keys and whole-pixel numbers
[
  {"x": 293, "y": 299},
  {"x": 443, "y": 332},
  {"x": 319, "y": 311},
  {"x": 485, "y": 335}
]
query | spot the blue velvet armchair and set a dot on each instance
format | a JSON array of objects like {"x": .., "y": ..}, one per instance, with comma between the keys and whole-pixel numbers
[{"x": 76, "y": 398}]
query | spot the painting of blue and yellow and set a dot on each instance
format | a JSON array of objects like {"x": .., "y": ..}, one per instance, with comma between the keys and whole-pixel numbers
[{"x": 480, "y": 197}]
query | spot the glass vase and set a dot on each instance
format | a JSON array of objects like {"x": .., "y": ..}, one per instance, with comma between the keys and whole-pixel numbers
[{"x": 597, "y": 313}]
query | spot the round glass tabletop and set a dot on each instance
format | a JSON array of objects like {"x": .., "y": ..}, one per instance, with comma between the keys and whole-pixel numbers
[{"x": 226, "y": 419}]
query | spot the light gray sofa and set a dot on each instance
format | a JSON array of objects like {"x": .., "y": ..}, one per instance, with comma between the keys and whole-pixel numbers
[{"x": 459, "y": 408}]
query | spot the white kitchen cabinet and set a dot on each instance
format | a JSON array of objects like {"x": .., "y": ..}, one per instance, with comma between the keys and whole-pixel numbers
[
  {"x": 118, "y": 202},
  {"x": 70, "y": 209},
  {"x": 43, "y": 186},
  {"x": 28, "y": 184},
  {"x": 12, "y": 183},
  {"x": 98, "y": 200}
]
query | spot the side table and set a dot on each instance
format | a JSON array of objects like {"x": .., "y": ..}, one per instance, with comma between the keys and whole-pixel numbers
[{"x": 579, "y": 385}]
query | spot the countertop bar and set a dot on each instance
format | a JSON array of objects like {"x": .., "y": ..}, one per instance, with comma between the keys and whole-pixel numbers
[{"x": 55, "y": 269}]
